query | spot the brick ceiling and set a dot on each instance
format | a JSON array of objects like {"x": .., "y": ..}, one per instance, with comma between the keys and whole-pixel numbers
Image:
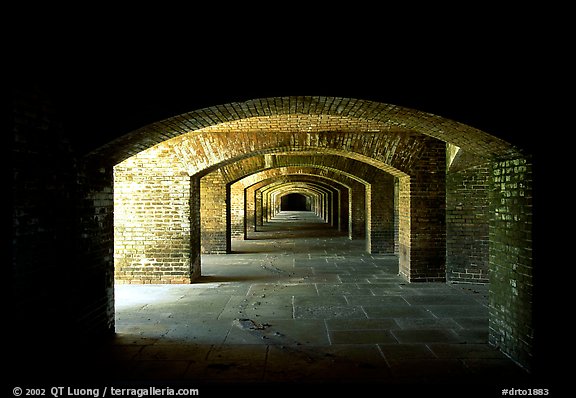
[{"x": 273, "y": 124}]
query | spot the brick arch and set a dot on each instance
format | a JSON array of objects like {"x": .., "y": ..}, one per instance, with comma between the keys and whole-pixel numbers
[
  {"x": 302, "y": 187},
  {"x": 306, "y": 114},
  {"x": 298, "y": 201},
  {"x": 359, "y": 175},
  {"x": 384, "y": 133},
  {"x": 331, "y": 165},
  {"x": 245, "y": 215},
  {"x": 244, "y": 189},
  {"x": 200, "y": 153},
  {"x": 322, "y": 193},
  {"x": 402, "y": 154}
]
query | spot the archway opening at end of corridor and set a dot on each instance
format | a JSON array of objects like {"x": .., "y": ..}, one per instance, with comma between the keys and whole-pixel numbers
[{"x": 295, "y": 202}]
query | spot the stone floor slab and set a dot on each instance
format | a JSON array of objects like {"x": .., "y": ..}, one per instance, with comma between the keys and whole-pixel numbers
[
  {"x": 279, "y": 332},
  {"x": 174, "y": 352},
  {"x": 376, "y": 300},
  {"x": 400, "y": 352},
  {"x": 235, "y": 362},
  {"x": 199, "y": 332},
  {"x": 362, "y": 337},
  {"x": 473, "y": 323},
  {"x": 465, "y": 351},
  {"x": 431, "y": 371},
  {"x": 396, "y": 311},
  {"x": 263, "y": 307},
  {"x": 473, "y": 336},
  {"x": 427, "y": 323},
  {"x": 361, "y": 324},
  {"x": 288, "y": 289},
  {"x": 326, "y": 364},
  {"x": 347, "y": 289},
  {"x": 458, "y": 311},
  {"x": 316, "y": 301},
  {"x": 329, "y": 312},
  {"x": 426, "y": 336},
  {"x": 451, "y": 299}
]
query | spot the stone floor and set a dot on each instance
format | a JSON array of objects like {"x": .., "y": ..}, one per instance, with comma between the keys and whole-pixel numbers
[{"x": 298, "y": 305}]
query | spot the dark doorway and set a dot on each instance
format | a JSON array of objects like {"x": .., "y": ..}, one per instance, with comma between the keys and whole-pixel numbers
[{"x": 295, "y": 202}]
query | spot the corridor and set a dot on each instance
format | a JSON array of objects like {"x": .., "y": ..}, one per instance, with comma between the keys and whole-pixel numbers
[
  {"x": 298, "y": 303},
  {"x": 178, "y": 249}
]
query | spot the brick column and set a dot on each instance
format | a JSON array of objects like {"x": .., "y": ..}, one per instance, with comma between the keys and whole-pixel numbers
[
  {"x": 423, "y": 253},
  {"x": 259, "y": 209},
  {"x": 404, "y": 226},
  {"x": 358, "y": 212},
  {"x": 152, "y": 216},
  {"x": 343, "y": 212},
  {"x": 249, "y": 211},
  {"x": 236, "y": 211},
  {"x": 213, "y": 213},
  {"x": 195, "y": 246},
  {"x": 380, "y": 214},
  {"x": 467, "y": 225}
]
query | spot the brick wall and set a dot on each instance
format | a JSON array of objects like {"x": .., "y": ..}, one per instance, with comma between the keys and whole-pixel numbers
[
  {"x": 61, "y": 229},
  {"x": 63, "y": 203},
  {"x": 358, "y": 214},
  {"x": 236, "y": 210},
  {"x": 93, "y": 286},
  {"x": 511, "y": 269},
  {"x": 213, "y": 213},
  {"x": 380, "y": 229},
  {"x": 195, "y": 229},
  {"x": 259, "y": 206},
  {"x": 153, "y": 216},
  {"x": 467, "y": 221},
  {"x": 404, "y": 226}
]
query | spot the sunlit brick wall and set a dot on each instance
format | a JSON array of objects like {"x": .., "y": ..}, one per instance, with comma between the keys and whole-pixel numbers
[
  {"x": 152, "y": 220},
  {"x": 213, "y": 213}
]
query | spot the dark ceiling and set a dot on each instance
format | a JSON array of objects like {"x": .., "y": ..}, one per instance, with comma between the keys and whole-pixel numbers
[
  {"x": 99, "y": 108},
  {"x": 105, "y": 91}
]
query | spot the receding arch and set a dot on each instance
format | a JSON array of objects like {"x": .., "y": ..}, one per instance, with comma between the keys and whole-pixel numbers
[
  {"x": 319, "y": 192},
  {"x": 245, "y": 191},
  {"x": 352, "y": 188},
  {"x": 295, "y": 201},
  {"x": 198, "y": 153},
  {"x": 307, "y": 114},
  {"x": 392, "y": 135},
  {"x": 418, "y": 262}
]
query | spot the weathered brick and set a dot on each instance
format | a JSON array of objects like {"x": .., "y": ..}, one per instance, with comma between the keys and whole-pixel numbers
[{"x": 144, "y": 224}]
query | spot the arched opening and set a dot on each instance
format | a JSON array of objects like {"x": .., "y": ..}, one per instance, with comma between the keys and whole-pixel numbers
[
  {"x": 411, "y": 146},
  {"x": 295, "y": 202}
]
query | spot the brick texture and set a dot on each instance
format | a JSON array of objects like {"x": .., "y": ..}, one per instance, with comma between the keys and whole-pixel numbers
[
  {"x": 467, "y": 224},
  {"x": 62, "y": 237},
  {"x": 142, "y": 208},
  {"x": 152, "y": 225},
  {"x": 511, "y": 269}
]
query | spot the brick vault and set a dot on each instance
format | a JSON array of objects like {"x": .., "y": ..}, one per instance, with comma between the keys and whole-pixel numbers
[{"x": 452, "y": 202}]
